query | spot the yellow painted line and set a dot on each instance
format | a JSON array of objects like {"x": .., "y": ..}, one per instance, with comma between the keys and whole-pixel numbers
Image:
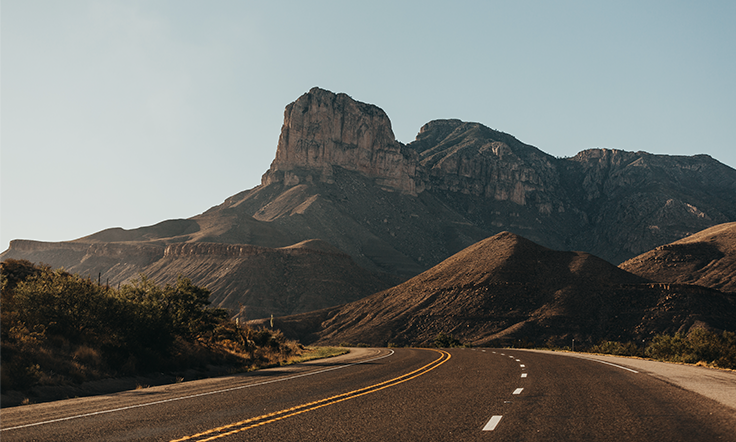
[{"x": 230, "y": 429}]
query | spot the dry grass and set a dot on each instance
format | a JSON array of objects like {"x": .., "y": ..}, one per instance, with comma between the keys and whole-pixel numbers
[{"x": 311, "y": 353}]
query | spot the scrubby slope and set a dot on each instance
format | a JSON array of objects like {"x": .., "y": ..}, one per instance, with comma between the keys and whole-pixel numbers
[{"x": 707, "y": 258}]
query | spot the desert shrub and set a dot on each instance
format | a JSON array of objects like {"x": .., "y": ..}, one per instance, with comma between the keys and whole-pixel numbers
[
  {"x": 699, "y": 346},
  {"x": 713, "y": 348},
  {"x": 667, "y": 347},
  {"x": 616, "y": 348},
  {"x": 59, "y": 328},
  {"x": 523, "y": 343},
  {"x": 444, "y": 340},
  {"x": 64, "y": 305},
  {"x": 161, "y": 313}
]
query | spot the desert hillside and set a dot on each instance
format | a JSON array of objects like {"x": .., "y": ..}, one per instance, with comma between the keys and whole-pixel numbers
[
  {"x": 707, "y": 258},
  {"x": 507, "y": 289}
]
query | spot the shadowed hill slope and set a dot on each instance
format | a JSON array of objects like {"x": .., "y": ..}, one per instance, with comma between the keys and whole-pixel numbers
[
  {"x": 507, "y": 288},
  {"x": 707, "y": 258}
]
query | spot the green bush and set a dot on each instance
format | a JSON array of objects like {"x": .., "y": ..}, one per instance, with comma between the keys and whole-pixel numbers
[
  {"x": 444, "y": 340},
  {"x": 700, "y": 346},
  {"x": 180, "y": 310},
  {"x": 65, "y": 305},
  {"x": 616, "y": 348},
  {"x": 59, "y": 328}
]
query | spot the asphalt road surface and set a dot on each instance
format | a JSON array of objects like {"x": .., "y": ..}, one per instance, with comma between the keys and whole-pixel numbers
[{"x": 395, "y": 395}]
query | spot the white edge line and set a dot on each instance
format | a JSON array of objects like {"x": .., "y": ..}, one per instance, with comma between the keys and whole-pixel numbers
[
  {"x": 491, "y": 425},
  {"x": 193, "y": 395},
  {"x": 607, "y": 363}
]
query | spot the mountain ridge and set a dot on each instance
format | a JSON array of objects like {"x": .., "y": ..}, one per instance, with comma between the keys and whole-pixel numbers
[{"x": 397, "y": 210}]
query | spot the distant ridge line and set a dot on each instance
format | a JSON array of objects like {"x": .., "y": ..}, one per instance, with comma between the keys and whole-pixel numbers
[{"x": 234, "y": 250}]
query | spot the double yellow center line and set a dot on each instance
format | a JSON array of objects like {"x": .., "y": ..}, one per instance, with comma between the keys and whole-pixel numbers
[{"x": 237, "y": 427}]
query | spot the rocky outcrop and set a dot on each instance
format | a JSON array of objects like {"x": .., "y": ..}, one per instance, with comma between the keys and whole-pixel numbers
[
  {"x": 610, "y": 202},
  {"x": 58, "y": 254},
  {"x": 323, "y": 130},
  {"x": 636, "y": 201},
  {"x": 472, "y": 159}
]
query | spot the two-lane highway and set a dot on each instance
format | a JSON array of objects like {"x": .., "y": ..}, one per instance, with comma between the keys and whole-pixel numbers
[{"x": 399, "y": 394}]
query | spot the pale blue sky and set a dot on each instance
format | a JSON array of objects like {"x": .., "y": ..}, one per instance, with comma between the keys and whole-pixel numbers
[{"x": 127, "y": 113}]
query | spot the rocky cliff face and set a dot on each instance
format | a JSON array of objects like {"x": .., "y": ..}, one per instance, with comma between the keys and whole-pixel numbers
[
  {"x": 636, "y": 201},
  {"x": 322, "y": 130},
  {"x": 472, "y": 159},
  {"x": 613, "y": 203}
]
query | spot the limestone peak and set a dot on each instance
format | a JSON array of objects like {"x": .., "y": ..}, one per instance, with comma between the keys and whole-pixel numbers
[{"x": 322, "y": 130}]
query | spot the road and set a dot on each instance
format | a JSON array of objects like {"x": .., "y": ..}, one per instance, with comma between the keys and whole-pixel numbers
[{"x": 395, "y": 394}]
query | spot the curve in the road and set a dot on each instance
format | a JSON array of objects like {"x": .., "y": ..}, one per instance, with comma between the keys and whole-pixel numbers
[
  {"x": 191, "y": 396},
  {"x": 237, "y": 427}
]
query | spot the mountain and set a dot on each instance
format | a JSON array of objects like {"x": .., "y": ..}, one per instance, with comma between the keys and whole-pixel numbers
[
  {"x": 339, "y": 175},
  {"x": 507, "y": 288},
  {"x": 612, "y": 203},
  {"x": 396, "y": 210},
  {"x": 707, "y": 258}
]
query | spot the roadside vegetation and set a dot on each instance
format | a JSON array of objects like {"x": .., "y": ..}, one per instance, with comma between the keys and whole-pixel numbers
[
  {"x": 62, "y": 329},
  {"x": 445, "y": 340},
  {"x": 700, "y": 347}
]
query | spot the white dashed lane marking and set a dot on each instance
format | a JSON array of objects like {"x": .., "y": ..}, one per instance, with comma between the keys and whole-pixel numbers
[{"x": 491, "y": 425}]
